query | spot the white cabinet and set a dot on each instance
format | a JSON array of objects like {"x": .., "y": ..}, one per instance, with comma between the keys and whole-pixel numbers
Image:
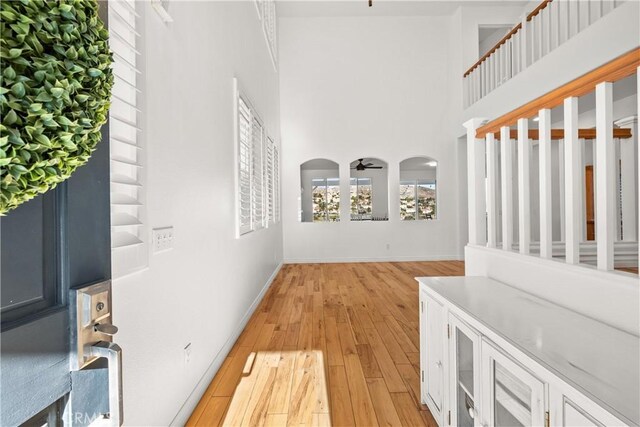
[
  {"x": 512, "y": 396},
  {"x": 489, "y": 359},
  {"x": 433, "y": 319}
]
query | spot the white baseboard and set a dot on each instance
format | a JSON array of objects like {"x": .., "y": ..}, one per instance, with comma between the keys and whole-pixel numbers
[
  {"x": 189, "y": 405},
  {"x": 451, "y": 257}
]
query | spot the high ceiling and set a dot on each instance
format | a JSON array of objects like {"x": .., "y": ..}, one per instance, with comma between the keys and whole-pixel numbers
[{"x": 310, "y": 8}]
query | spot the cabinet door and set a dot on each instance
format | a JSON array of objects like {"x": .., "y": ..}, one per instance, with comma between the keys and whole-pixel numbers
[
  {"x": 511, "y": 396},
  {"x": 434, "y": 324},
  {"x": 570, "y": 408},
  {"x": 464, "y": 373}
]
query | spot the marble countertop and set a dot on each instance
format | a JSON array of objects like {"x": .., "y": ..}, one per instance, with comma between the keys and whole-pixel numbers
[{"x": 599, "y": 360}]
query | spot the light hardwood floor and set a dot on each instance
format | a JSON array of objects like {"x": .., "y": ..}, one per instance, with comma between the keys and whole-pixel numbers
[{"x": 330, "y": 344}]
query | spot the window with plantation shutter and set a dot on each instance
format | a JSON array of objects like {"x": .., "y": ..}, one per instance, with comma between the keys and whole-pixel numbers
[
  {"x": 256, "y": 191},
  {"x": 270, "y": 192},
  {"x": 128, "y": 238},
  {"x": 244, "y": 167},
  {"x": 257, "y": 199}
]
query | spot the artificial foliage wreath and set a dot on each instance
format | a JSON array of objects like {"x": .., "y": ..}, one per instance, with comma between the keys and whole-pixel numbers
[{"x": 55, "y": 86}]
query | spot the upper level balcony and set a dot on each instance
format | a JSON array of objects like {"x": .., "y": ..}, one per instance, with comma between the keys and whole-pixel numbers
[{"x": 541, "y": 31}]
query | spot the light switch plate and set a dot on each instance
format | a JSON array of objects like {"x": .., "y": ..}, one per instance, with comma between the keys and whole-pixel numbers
[{"x": 162, "y": 239}]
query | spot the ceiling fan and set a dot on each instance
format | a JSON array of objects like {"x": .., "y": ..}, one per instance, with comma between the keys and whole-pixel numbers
[{"x": 360, "y": 166}]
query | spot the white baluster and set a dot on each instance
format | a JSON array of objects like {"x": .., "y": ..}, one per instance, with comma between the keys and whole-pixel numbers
[
  {"x": 546, "y": 222},
  {"x": 628, "y": 171},
  {"x": 492, "y": 178},
  {"x": 573, "y": 169},
  {"x": 506, "y": 161},
  {"x": 524, "y": 37},
  {"x": 476, "y": 184},
  {"x": 524, "y": 185},
  {"x": 561, "y": 188},
  {"x": 638, "y": 163},
  {"x": 605, "y": 179},
  {"x": 583, "y": 187}
]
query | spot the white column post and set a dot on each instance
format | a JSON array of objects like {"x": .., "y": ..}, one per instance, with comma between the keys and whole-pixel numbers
[
  {"x": 506, "y": 163},
  {"x": 492, "y": 214},
  {"x": 605, "y": 179},
  {"x": 629, "y": 179},
  {"x": 524, "y": 186},
  {"x": 573, "y": 181},
  {"x": 476, "y": 158},
  {"x": 546, "y": 223}
]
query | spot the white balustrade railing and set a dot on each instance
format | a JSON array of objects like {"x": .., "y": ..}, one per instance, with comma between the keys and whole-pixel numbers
[
  {"x": 552, "y": 23},
  {"x": 500, "y": 165}
]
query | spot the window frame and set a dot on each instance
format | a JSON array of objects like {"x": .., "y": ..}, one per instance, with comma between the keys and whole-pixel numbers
[
  {"x": 326, "y": 196},
  {"x": 269, "y": 211},
  {"x": 416, "y": 183}
]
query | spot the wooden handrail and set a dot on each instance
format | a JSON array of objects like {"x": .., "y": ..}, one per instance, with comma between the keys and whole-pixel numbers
[
  {"x": 559, "y": 134},
  {"x": 504, "y": 39},
  {"x": 494, "y": 48},
  {"x": 538, "y": 9},
  {"x": 612, "y": 71}
]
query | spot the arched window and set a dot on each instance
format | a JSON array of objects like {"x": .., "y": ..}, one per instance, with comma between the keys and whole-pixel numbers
[
  {"x": 369, "y": 190},
  {"x": 319, "y": 191},
  {"x": 418, "y": 195}
]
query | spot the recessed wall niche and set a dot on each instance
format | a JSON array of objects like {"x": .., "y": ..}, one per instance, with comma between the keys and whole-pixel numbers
[
  {"x": 418, "y": 195},
  {"x": 369, "y": 195},
  {"x": 319, "y": 191}
]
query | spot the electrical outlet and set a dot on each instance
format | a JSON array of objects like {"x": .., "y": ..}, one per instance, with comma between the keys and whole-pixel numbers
[
  {"x": 187, "y": 354},
  {"x": 162, "y": 239}
]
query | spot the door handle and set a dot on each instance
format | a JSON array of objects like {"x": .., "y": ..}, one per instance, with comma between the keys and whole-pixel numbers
[{"x": 113, "y": 353}]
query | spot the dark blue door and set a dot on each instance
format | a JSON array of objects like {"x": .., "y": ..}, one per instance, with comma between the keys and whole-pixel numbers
[{"x": 49, "y": 245}]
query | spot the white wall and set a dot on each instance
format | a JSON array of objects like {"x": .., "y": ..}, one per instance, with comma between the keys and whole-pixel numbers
[
  {"x": 200, "y": 291},
  {"x": 354, "y": 87}
]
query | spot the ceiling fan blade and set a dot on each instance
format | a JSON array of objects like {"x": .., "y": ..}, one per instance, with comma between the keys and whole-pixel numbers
[
  {"x": 368, "y": 164},
  {"x": 373, "y": 167}
]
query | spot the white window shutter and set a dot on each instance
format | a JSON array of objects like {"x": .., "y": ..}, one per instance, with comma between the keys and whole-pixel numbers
[
  {"x": 270, "y": 192},
  {"x": 128, "y": 233},
  {"x": 257, "y": 198},
  {"x": 276, "y": 183},
  {"x": 244, "y": 167}
]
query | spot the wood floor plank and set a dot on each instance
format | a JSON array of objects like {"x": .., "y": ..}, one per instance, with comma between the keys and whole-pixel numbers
[
  {"x": 385, "y": 411},
  {"x": 363, "y": 411},
  {"x": 407, "y": 411},
  {"x": 282, "y": 387},
  {"x": 340, "y": 399},
  {"x": 214, "y": 412},
  {"x": 368, "y": 361},
  {"x": 276, "y": 420},
  {"x": 334, "y": 353},
  {"x": 229, "y": 379},
  {"x": 395, "y": 383},
  {"x": 334, "y": 344}
]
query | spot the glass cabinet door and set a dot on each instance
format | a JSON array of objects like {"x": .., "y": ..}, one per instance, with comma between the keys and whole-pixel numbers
[
  {"x": 465, "y": 374},
  {"x": 512, "y": 396}
]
